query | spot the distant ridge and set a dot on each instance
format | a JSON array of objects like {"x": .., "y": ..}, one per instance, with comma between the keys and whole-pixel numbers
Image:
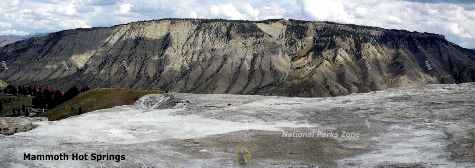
[{"x": 7, "y": 39}]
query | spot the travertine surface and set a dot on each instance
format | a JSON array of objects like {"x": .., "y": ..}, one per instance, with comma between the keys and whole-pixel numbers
[{"x": 417, "y": 127}]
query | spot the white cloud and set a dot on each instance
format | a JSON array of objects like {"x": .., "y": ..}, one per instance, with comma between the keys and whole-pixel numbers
[
  {"x": 125, "y": 8},
  {"x": 226, "y": 11},
  {"x": 454, "y": 19},
  {"x": 327, "y": 10}
]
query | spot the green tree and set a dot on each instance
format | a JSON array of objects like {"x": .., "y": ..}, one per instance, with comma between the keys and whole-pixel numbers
[
  {"x": 71, "y": 93},
  {"x": 10, "y": 89}
]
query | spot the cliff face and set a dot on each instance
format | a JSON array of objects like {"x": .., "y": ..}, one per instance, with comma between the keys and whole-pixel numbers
[{"x": 275, "y": 57}]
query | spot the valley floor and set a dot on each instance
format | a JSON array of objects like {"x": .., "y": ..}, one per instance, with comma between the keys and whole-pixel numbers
[{"x": 426, "y": 126}]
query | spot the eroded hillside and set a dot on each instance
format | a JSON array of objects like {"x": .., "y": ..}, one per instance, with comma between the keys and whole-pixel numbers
[{"x": 272, "y": 57}]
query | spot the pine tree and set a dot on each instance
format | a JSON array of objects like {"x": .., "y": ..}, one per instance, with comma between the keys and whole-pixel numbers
[
  {"x": 58, "y": 97},
  {"x": 84, "y": 89},
  {"x": 72, "y": 92},
  {"x": 10, "y": 89}
]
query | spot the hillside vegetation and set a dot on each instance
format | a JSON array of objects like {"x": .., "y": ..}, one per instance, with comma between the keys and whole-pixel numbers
[
  {"x": 14, "y": 105},
  {"x": 97, "y": 99}
]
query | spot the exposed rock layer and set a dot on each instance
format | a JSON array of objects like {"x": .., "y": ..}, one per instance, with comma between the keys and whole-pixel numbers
[{"x": 273, "y": 57}]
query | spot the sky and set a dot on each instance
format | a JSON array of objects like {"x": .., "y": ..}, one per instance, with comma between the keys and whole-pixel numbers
[{"x": 455, "y": 19}]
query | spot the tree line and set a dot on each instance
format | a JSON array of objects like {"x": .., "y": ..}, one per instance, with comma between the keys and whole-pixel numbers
[{"x": 44, "y": 97}]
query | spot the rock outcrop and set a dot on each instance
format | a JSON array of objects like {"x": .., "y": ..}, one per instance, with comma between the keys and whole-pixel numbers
[
  {"x": 13, "y": 125},
  {"x": 158, "y": 101},
  {"x": 271, "y": 57}
]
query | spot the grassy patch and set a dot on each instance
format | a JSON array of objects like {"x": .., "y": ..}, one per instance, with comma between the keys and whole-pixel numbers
[{"x": 96, "y": 99}]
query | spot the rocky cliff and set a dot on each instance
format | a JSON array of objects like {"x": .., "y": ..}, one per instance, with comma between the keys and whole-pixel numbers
[{"x": 272, "y": 57}]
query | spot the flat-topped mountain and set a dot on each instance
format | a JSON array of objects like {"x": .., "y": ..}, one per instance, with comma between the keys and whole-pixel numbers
[{"x": 271, "y": 57}]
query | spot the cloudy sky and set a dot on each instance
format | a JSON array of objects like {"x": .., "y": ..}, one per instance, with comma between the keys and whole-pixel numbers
[{"x": 453, "y": 18}]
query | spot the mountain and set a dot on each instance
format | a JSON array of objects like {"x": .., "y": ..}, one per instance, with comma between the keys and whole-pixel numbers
[
  {"x": 270, "y": 57},
  {"x": 7, "y": 39}
]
